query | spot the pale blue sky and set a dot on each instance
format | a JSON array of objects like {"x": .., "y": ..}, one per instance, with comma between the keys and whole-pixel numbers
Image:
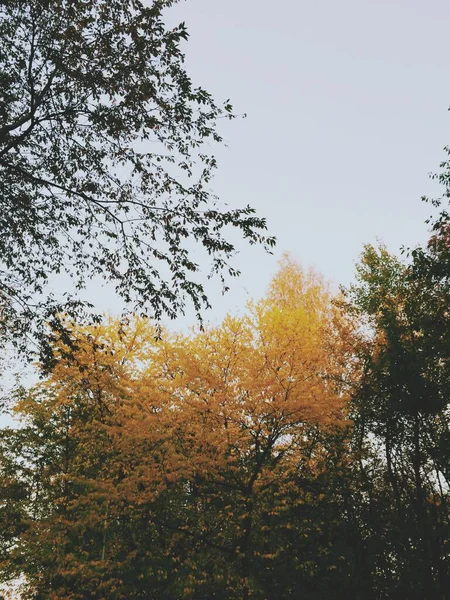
[{"x": 347, "y": 115}]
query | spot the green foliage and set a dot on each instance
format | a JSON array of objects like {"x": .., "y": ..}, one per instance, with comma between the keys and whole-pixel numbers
[
  {"x": 102, "y": 166},
  {"x": 402, "y": 419}
]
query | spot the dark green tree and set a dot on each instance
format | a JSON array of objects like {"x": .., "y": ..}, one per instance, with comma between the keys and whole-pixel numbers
[
  {"x": 105, "y": 161},
  {"x": 402, "y": 422}
]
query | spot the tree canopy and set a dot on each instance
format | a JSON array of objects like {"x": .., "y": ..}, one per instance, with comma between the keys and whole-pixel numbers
[
  {"x": 105, "y": 161},
  {"x": 164, "y": 468},
  {"x": 292, "y": 451}
]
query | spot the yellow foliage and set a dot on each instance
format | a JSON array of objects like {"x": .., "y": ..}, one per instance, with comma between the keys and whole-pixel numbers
[{"x": 227, "y": 407}]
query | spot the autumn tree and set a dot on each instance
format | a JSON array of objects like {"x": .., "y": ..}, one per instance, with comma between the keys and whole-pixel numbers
[
  {"x": 256, "y": 388},
  {"x": 105, "y": 161},
  {"x": 190, "y": 466}
]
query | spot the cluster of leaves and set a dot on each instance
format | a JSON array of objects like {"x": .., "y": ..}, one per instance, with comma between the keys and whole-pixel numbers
[{"x": 102, "y": 171}]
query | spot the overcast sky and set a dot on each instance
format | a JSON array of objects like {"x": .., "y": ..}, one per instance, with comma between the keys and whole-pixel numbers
[{"x": 347, "y": 115}]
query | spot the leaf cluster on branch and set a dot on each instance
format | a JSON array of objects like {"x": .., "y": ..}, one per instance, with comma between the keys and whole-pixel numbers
[{"x": 105, "y": 162}]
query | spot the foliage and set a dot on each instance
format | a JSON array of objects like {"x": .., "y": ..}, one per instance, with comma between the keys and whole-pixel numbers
[
  {"x": 190, "y": 466},
  {"x": 103, "y": 170},
  {"x": 299, "y": 449},
  {"x": 402, "y": 421}
]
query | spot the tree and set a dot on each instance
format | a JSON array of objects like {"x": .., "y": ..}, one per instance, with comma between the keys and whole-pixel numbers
[
  {"x": 189, "y": 467},
  {"x": 401, "y": 421},
  {"x": 252, "y": 394},
  {"x": 103, "y": 167}
]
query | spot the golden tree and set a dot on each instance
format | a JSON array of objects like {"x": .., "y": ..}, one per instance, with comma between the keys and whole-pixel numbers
[{"x": 166, "y": 457}]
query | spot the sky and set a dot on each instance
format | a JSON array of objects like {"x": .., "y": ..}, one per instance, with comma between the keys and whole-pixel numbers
[
  {"x": 347, "y": 115},
  {"x": 346, "y": 109}
]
